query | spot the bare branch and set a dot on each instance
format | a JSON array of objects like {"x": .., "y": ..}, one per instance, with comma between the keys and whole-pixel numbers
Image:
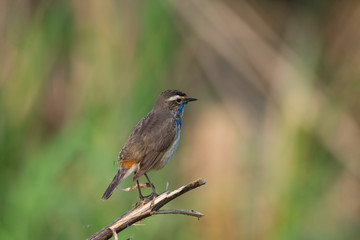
[
  {"x": 142, "y": 185},
  {"x": 179, "y": 211},
  {"x": 144, "y": 210}
]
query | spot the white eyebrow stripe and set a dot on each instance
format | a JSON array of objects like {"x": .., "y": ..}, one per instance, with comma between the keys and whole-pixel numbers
[{"x": 173, "y": 98}]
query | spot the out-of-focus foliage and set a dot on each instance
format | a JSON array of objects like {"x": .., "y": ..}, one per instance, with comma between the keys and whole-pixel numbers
[{"x": 276, "y": 131}]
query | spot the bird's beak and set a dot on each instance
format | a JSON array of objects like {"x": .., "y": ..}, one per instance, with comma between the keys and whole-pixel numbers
[{"x": 190, "y": 99}]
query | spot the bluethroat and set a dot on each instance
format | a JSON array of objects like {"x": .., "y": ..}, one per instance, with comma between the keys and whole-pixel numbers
[{"x": 153, "y": 140}]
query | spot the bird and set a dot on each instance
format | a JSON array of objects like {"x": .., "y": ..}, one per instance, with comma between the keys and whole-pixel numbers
[{"x": 152, "y": 142}]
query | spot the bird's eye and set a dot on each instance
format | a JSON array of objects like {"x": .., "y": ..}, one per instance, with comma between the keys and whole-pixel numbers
[{"x": 178, "y": 100}]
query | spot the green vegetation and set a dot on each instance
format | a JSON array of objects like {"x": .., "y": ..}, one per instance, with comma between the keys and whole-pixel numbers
[{"x": 276, "y": 131}]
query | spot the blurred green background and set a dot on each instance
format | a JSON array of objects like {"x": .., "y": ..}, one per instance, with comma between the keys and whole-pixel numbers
[{"x": 276, "y": 131}]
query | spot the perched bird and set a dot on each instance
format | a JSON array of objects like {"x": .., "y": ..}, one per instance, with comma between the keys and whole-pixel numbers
[{"x": 153, "y": 141}]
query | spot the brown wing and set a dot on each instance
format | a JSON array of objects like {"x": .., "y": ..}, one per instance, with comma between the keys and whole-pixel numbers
[{"x": 149, "y": 141}]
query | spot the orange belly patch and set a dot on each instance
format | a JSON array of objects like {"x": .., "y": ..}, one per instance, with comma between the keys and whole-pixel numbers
[{"x": 127, "y": 163}]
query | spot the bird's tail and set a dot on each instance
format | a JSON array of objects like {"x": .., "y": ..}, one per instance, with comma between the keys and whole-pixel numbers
[{"x": 123, "y": 172}]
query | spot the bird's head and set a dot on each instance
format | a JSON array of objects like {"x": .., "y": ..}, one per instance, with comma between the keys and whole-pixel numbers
[{"x": 173, "y": 100}]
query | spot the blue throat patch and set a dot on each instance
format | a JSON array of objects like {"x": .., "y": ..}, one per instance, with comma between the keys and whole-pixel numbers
[{"x": 180, "y": 110}]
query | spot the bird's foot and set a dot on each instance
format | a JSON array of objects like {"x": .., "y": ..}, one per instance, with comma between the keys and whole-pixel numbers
[
  {"x": 150, "y": 197},
  {"x": 141, "y": 201},
  {"x": 153, "y": 195},
  {"x": 146, "y": 199}
]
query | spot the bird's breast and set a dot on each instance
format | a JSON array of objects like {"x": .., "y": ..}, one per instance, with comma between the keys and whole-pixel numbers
[{"x": 171, "y": 150}]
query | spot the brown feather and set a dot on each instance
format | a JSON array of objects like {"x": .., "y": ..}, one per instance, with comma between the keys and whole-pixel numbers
[{"x": 149, "y": 140}]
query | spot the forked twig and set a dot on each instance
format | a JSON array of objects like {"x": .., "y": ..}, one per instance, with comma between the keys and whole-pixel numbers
[{"x": 142, "y": 211}]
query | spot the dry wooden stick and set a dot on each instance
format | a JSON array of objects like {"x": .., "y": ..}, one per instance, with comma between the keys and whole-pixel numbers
[
  {"x": 143, "y": 211},
  {"x": 142, "y": 185}
]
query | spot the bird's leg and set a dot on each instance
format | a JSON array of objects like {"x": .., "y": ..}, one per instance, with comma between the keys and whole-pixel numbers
[
  {"x": 152, "y": 186},
  {"x": 140, "y": 195}
]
